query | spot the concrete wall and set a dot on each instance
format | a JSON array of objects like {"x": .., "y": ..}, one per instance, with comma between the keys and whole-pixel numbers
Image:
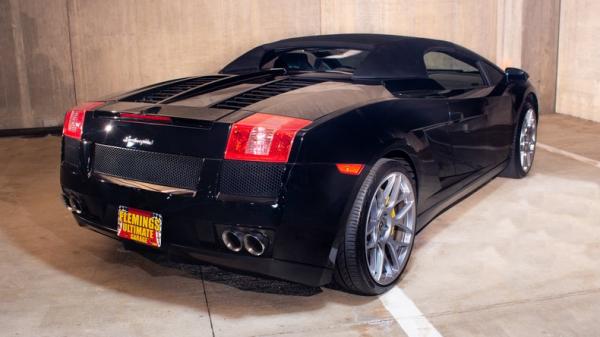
[
  {"x": 125, "y": 44},
  {"x": 455, "y": 21},
  {"x": 539, "y": 54},
  {"x": 579, "y": 60},
  {"x": 56, "y": 52},
  {"x": 518, "y": 33},
  {"x": 68, "y": 51},
  {"x": 36, "y": 78}
]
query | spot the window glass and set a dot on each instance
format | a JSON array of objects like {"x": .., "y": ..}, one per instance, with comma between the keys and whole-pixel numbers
[
  {"x": 451, "y": 72},
  {"x": 318, "y": 59},
  {"x": 494, "y": 75}
]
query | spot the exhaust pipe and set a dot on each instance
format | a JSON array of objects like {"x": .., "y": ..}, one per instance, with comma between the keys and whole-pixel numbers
[
  {"x": 67, "y": 204},
  {"x": 233, "y": 240},
  {"x": 255, "y": 243},
  {"x": 74, "y": 206}
]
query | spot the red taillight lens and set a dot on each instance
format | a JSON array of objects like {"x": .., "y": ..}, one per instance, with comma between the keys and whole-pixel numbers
[
  {"x": 263, "y": 137},
  {"x": 73, "y": 126}
]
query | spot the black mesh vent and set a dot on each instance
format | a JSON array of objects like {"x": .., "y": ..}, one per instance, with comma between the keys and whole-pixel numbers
[
  {"x": 150, "y": 167},
  {"x": 258, "y": 94},
  {"x": 251, "y": 178},
  {"x": 71, "y": 151},
  {"x": 169, "y": 90}
]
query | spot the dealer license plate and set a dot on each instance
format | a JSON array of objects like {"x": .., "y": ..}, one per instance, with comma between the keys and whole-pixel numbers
[{"x": 140, "y": 226}]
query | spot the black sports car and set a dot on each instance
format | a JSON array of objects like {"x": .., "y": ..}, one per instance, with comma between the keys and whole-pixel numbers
[{"x": 312, "y": 159}]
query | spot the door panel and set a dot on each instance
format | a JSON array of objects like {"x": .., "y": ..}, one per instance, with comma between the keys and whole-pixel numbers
[
  {"x": 441, "y": 153},
  {"x": 480, "y": 132},
  {"x": 501, "y": 127},
  {"x": 468, "y": 134}
]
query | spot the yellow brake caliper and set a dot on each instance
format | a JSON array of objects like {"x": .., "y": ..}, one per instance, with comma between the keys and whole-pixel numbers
[{"x": 393, "y": 215}]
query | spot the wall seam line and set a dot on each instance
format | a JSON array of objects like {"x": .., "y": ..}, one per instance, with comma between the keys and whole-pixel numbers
[
  {"x": 71, "y": 50},
  {"x": 320, "y": 17},
  {"x": 555, "y": 105},
  {"x": 26, "y": 117}
]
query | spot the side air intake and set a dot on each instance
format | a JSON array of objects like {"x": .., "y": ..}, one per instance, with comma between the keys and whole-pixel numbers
[
  {"x": 263, "y": 92},
  {"x": 163, "y": 92}
]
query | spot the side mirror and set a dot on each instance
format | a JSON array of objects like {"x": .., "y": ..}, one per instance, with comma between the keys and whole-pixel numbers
[{"x": 515, "y": 75}]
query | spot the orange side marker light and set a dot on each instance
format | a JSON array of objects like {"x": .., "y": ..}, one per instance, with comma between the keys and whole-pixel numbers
[{"x": 350, "y": 169}]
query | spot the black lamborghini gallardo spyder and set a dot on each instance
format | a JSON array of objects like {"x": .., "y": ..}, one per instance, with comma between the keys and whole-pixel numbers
[{"x": 313, "y": 159}]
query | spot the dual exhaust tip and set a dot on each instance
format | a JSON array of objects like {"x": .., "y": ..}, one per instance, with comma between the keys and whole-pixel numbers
[
  {"x": 73, "y": 205},
  {"x": 254, "y": 243}
]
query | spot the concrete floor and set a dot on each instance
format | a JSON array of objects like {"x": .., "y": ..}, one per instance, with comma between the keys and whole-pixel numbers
[{"x": 517, "y": 258}]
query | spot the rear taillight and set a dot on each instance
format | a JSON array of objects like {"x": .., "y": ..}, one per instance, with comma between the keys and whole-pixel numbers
[
  {"x": 263, "y": 137},
  {"x": 73, "y": 126}
]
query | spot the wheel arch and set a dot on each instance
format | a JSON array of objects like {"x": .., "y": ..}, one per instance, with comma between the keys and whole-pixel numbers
[
  {"x": 389, "y": 153},
  {"x": 524, "y": 94},
  {"x": 529, "y": 97},
  {"x": 534, "y": 100},
  {"x": 403, "y": 154}
]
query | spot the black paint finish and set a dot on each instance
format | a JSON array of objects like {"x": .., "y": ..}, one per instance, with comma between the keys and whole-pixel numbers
[{"x": 456, "y": 141}]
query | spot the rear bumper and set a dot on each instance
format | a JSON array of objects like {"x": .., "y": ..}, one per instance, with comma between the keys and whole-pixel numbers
[
  {"x": 304, "y": 220},
  {"x": 285, "y": 270}
]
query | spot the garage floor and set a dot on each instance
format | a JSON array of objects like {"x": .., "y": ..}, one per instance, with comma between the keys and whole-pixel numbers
[{"x": 517, "y": 258}]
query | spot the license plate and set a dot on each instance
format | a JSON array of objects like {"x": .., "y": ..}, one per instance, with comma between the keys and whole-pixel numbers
[{"x": 140, "y": 226}]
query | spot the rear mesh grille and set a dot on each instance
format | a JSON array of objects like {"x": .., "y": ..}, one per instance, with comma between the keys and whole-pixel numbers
[
  {"x": 258, "y": 94},
  {"x": 163, "y": 92},
  {"x": 149, "y": 167},
  {"x": 253, "y": 179}
]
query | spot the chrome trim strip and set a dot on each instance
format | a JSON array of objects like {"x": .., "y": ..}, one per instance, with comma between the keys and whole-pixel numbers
[{"x": 146, "y": 186}]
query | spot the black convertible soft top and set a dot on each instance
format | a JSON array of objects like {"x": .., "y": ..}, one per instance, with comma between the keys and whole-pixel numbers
[{"x": 390, "y": 56}]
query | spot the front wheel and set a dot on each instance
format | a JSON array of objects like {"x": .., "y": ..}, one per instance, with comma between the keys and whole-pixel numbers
[
  {"x": 380, "y": 230},
  {"x": 524, "y": 144}
]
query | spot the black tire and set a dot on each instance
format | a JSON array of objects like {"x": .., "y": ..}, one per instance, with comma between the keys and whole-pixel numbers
[
  {"x": 514, "y": 169},
  {"x": 351, "y": 272}
]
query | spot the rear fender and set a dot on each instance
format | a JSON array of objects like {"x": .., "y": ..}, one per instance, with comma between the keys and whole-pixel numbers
[{"x": 393, "y": 128}]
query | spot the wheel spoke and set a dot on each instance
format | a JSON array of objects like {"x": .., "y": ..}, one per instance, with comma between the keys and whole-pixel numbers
[
  {"x": 372, "y": 219},
  {"x": 394, "y": 252},
  {"x": 372, "y": 257},
  {"x": 395, "y": 193},
  {"x": 524, "y": 159},
  {"x": 388, "y": 190},
  {"x": 380, "y": 198},
  {"x": 403, "y": 212},
  {"x": 372, "y": 228},
  {"x": 406, "y": 229},
  {"x": 379, "y": 261},
  {"x": 372, "y": 239}
]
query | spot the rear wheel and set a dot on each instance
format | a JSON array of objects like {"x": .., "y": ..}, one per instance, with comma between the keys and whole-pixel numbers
[
  {"x": 380, "y": 230},
  {"x": 524, "y": 144}
]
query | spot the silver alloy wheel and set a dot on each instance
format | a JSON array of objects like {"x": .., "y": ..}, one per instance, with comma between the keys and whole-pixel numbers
[
  {"x": 390, "y": 228},
  {"x": 527, "y": 139}
]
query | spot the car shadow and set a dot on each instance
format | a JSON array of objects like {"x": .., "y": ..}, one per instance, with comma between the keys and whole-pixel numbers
[{"x": 245, "y": 282}]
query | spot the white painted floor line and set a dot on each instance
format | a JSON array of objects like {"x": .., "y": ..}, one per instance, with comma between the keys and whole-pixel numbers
[
  {"x": 406, "y": 313},
  {"x": 568, "y": 154},
  {"x": 404, "y": 310}
]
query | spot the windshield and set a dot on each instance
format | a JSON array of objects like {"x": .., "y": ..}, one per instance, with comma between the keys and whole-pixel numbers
[{"x": 318, "y": 59}]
